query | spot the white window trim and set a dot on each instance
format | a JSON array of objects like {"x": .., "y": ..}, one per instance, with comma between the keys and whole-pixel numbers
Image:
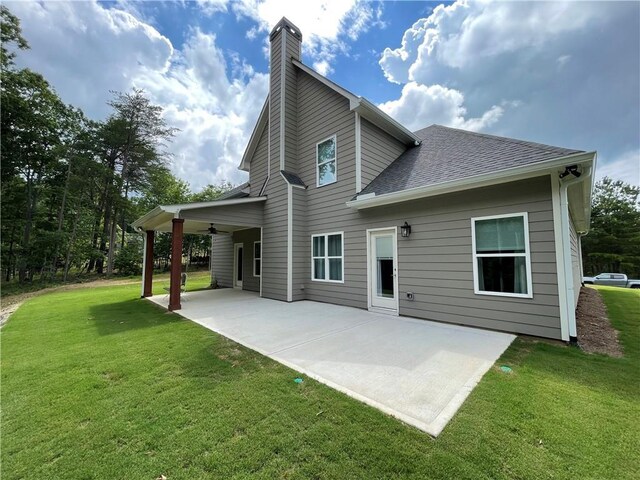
[
  {"x": 258, "y": 258},
  {"x": 527, "y": 255},
  {"x": 326, "y": 257},
  {"x": 335, "y": 159}
]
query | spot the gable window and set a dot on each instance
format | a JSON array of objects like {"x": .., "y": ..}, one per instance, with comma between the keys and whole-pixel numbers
[
  {"x": 501, "y": 256},
  {"x": 257, "y": 258},
  {"x": 326, "y": 163},
  {"x": 327, "y": 252}
]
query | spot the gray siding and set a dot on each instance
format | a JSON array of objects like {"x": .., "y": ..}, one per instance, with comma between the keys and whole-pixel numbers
[
  {"x": 575, "y": 262},
  {"x": 379, "y": 150},
  {"x": 291, "y": 104},
  {"x": 247, "y": 237},
  {"x": 322, "y": 113},
  {"x": 222, "y": 260},
  {"x": 435, "y": 263},
  {"x": 274, "y": 233},
  {"x": 301, "y": 244}
]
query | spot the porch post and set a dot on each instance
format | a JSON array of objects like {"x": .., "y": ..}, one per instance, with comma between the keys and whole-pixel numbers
[
  {"x": 176, "y": 263},
  {"x": 148, "y": 264}
]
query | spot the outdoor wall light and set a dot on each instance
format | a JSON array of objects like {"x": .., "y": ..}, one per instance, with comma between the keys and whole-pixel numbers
[{"x": 405, "y": 230}]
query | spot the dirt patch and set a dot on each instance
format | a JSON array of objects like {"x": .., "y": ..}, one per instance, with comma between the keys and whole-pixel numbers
[
  {"x": 11, "y": 303},
  {"x": 595, "y": 333}
]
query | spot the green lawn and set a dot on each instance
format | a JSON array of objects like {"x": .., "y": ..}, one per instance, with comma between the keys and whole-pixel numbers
[{"x": 97, "y": 383}]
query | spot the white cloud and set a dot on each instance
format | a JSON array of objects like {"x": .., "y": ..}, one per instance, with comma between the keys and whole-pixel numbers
[
  {"x": 465, "y": 33},
  {"x": 421, "y": 105},
  {"x": 562, "y": 73},
  {"x": 626, "y": 167},
  {"x": 325, "y": 25},
  {"x": 211, "y": 7},
  {"x": 85, "y": 50}
]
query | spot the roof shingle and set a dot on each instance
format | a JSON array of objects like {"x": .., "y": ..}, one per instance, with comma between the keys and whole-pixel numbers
[{"x": 448, "y": 154}]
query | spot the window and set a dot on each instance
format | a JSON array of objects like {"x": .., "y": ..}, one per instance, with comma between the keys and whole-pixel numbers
[
  {"x": 257, "y": 258},
  {"x": 501, "y": 257},
  {"x": 326, "y": 162},
  {"x": 327, "y": 263}
]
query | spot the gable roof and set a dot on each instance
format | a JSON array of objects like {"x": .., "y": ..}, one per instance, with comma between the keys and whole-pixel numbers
[
  {"x": 358, "y": 104},
  {"x": 449, "y": 154},
  {"x": 241, "y": 191},
  {"x": 292, "y": 179},
  {"x": 263, "y": 119},
  {"x": 365, "y": 108}
]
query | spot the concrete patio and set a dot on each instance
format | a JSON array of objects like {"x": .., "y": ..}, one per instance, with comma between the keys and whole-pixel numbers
[{"x": 415, "y": 370}]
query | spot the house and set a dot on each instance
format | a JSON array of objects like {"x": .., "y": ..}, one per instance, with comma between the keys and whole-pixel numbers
[{"x": 345, "y": 205}]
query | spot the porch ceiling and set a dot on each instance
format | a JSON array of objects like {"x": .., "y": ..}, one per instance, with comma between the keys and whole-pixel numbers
[{"x": 226, "y": 215}]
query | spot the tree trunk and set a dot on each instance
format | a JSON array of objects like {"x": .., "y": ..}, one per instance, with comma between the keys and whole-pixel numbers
[
  {"x": 10, "y": 255},
  {"x": 26, "y": 237},
  {"x": 112, "y": 244},
  {"x": 103, "y": 238},
  {"x": 72, "y": 239}
]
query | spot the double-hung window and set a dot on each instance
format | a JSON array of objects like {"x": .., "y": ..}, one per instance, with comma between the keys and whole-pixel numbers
[
  {"x": 326, "y": 162},
  {"x": 327, "y": 251},
  {"x": 501, "y": 256},
  {"x": 257, "y": 258}
]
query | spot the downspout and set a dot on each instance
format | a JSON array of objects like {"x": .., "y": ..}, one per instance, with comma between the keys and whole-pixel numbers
[
  {"x": 211, "y": 278},
  {"x": 580, "y": 235},
  {"x": 566, "y": 251}
]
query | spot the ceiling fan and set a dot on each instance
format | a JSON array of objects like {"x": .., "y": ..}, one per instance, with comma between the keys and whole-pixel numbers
[{"x": 213, "y": 230}]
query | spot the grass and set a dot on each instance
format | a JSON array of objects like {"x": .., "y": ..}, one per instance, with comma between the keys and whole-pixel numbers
[
  {"x": 14, "y": 287},
  {"x": 98, "y": 384}
]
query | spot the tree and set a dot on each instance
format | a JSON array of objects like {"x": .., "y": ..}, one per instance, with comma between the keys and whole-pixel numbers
[
  {"x": 33, "y": 122},
  {"x": 211, "y": 192},
  {"x": 613, "y": 243},
  {"x": 134, "y": 142},
  {"x": 10, "y": 33}
]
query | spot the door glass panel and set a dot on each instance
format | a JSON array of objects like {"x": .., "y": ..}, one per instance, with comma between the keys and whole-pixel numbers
[
  {"x": 239, "y": 265},
  {"x": 384, "y": 266}
]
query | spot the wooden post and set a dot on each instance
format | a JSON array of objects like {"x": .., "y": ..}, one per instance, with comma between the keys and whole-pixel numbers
[
  {"x": 148, "y": 265},
  {"x": 176, "y": 263}
]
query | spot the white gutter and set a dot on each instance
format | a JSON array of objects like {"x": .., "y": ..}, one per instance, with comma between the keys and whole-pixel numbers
[
  {"x": 566, "y": 250},
  {"x": 476, "y": 181},
  {"x": 266, "y": 181},
  {"x": 218, "y": 203},
  {"x": 289, "y": 243},
  {"x": 358, "y": 153},
  {"x": 376, "y": 116},
  {"x": 255, "y": 137}
]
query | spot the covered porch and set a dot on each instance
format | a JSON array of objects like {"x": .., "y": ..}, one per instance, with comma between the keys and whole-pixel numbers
[{"x": 220, "y": 219}]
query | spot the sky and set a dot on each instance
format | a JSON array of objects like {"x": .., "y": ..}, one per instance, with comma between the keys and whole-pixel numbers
[{"x": 565, "y": 74}]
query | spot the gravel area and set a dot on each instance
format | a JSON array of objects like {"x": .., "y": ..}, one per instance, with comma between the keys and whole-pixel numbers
[{"x": 595, "y": 333}]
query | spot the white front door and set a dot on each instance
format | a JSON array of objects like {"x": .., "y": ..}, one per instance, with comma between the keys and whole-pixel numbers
[
  {"x": 383, "y": 268},
  {"x": 238, "y": 266}
]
